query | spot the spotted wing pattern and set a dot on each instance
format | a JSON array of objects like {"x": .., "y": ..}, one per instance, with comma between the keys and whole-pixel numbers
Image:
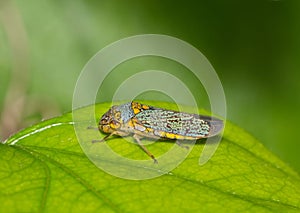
[{"x": 178, "y": 123}]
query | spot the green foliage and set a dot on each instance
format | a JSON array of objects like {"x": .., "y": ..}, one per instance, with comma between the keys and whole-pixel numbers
[{"x": 44, "y": 169}]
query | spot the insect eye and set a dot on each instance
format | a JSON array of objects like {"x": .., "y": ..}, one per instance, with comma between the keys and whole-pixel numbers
[
  {"x": 104, "y": 121},
  {"x": 117, "y": 115}
]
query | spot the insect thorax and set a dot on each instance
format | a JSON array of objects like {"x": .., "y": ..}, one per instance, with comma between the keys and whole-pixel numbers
[{"x": 126, "y": 112}]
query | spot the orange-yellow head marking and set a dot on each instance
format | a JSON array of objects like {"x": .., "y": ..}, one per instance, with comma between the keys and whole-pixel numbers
[
  {"x": 110, "y": 121},
  {"x": 117, "y": 117}
]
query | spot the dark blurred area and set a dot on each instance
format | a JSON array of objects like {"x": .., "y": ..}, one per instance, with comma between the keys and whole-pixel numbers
[{"x": 254, "y": 47}]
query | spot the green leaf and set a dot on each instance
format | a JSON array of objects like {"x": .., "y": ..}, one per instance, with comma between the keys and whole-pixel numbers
[{"x": 43, "y": 168}]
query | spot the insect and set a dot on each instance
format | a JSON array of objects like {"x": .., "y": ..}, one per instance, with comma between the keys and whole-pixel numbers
[{"x": 143, "y": 121}]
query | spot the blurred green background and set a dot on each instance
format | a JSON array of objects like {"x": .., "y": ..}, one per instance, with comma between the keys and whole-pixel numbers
[{"x": 253, "y": 45}]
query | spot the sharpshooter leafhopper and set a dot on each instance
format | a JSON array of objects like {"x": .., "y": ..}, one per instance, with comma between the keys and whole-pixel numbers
[{"x": 143, "y": 121}]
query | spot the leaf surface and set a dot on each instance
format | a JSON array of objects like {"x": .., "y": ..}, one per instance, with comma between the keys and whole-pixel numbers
[{"x": 43, "y": 168}]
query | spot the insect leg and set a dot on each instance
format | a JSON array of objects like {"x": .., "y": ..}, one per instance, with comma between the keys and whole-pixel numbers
[
  {"x": 103, "y": 139},
  {"x": 137, "y": 138},
  {"x": 181, "y": 145},
  {"x": 123, "y": 134}
]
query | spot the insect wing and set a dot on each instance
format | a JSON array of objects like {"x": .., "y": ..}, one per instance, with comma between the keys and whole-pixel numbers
[{"x": 179, "y": 123}]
